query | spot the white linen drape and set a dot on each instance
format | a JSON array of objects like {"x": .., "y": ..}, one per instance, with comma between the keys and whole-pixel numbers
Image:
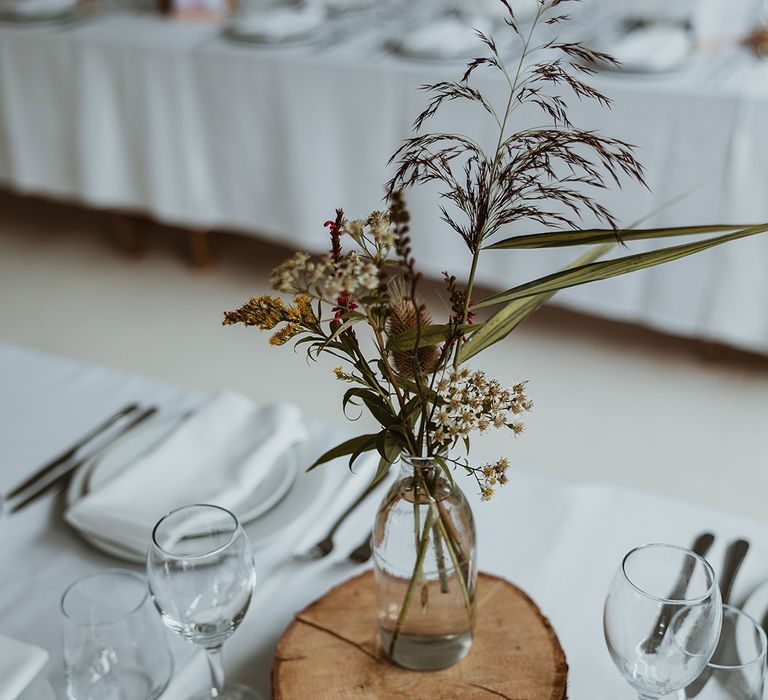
[{"x": 134, "y": 112}]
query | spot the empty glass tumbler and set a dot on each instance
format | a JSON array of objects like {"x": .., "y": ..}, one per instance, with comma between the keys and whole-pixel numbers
[
  {"x": 736, "y": 670},
  {"x": 114, "y": 645}
]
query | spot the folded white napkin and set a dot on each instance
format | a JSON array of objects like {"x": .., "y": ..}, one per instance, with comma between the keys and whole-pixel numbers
[
  {"x": 653, "y": 49},
  {"x": 20, "y": 665},
  {"x": 449, "y": 37},
  {"x": 279, "y": 24},
  {"x": 40, "y": 8},
  {"x": 218, "y": 456}
]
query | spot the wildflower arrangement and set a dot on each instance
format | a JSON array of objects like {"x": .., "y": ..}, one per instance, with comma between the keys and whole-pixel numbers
[
  {"x": 414, "y": 387},
  {"x": 416, "y": 384},
  {"x": 415, "y": 381}
]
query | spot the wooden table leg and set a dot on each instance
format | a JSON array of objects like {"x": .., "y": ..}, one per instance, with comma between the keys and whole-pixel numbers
[
  {"x": 715, "y": 353},
  {"x": 127, "y": 233},
  {"x": 200, "y": 252}
]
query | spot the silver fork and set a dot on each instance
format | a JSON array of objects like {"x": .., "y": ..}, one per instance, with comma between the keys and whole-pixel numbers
[
  {"x": 325, "y": 546},
  {"x": 362, "y": 553}
]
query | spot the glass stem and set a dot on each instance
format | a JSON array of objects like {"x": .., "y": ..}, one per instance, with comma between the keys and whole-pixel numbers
[{"x": 216, "y": 664}]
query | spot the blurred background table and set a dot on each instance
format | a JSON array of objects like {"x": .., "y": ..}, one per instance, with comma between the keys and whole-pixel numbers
[{"x": 132, "y": 112}]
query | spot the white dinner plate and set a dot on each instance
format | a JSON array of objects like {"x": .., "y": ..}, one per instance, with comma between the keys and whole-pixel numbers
[
  {"x": 445, "y": 39},
  {"x": 282, "y": 25},
  {"x": 278, "y": 502}
]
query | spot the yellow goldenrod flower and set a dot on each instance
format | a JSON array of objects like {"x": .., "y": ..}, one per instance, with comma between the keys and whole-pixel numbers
[{"x": 284, "y": 334}]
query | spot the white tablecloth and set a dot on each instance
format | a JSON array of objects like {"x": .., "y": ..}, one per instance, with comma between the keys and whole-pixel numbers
[
  {"x": 134, "y": 112},
  {"x": 560, "y": 542}
]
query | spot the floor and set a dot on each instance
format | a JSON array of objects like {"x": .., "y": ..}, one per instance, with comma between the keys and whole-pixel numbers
[{"x": 613, "y": 403}]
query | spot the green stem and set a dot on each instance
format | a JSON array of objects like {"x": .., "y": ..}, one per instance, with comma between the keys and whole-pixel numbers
[
  {"x": 467, "y": 299},
  {"x": 416, "y": 513},
  {"x": 440, "y": 556},
  {"x": 422, "y": 551},
  {"x": 491, "y": 184},
  {"x": 461, "y": 575}
]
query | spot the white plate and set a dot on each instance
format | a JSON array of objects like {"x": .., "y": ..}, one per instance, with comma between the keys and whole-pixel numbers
[
  {"x": 444, "y": 39},
  {"x": 282, "y": 25},
  {"x": 42, "y": 15},
  {"x": 282, "y": 497}
]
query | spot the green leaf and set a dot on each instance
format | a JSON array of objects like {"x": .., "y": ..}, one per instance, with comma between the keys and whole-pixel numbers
[
  {"x": 504, "y": 321},
  {"x": 363, "y": 447},
  {"x": 431, "y": 334},
  {"x": 413, "y": 407},
  {"x": 373, "y": 402},
  {"x": 389, "y": 444},
  {"x": 411, "y": 386},
  {"x": 559, "y": 239},
  {"x": 379, "y": 408},
  {"x": 381, "y": 472},
  {"x": 338, "y": 331},
  {"x": 446, "y": 469},
  {"x": 594, "y": 272},
  {"x": 346, "y": 448}
]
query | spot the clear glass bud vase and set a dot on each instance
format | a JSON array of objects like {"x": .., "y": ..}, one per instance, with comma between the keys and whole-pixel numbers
[{"x": 425, "y": 564}]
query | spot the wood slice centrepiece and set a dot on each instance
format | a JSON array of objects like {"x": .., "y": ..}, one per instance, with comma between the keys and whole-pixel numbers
[{"x": 331, "y": 651}]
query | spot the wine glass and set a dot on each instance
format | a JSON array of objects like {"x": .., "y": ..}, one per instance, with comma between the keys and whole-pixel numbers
[
  {"x": 201, "y": 576},
  {"x": 662, "y": 618}
]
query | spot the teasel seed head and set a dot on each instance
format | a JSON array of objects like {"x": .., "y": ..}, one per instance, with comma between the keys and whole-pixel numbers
[{"x": 405, "y": 315}]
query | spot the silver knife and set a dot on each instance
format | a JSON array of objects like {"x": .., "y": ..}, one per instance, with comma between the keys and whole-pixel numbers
[
  {"x": 65, "y": 456},
  {"x": 700, "y": 546},
  {"x": 60, "y": 477}
]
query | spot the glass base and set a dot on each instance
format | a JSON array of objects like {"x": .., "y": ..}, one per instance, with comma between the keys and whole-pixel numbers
[
  {"x": 427, "y": 653},
  {"x": 232, "y": 692}
]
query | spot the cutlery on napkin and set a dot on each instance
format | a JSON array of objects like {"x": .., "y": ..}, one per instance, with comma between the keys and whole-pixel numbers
[
  {"x": 20, "y": 666},
  {"x": 219, "y": 455}
]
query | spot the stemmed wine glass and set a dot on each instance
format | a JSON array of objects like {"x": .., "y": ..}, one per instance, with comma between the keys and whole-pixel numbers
[
  {"x": 662, "y": 618},
  {"x": 201, "y": 576}
]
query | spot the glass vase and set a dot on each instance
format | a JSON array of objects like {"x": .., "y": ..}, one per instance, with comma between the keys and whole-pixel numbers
[{"x": 425, "y": 565}]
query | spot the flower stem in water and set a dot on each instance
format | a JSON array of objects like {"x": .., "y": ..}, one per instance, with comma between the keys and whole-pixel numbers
[{"x": 422, "y": 550}]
